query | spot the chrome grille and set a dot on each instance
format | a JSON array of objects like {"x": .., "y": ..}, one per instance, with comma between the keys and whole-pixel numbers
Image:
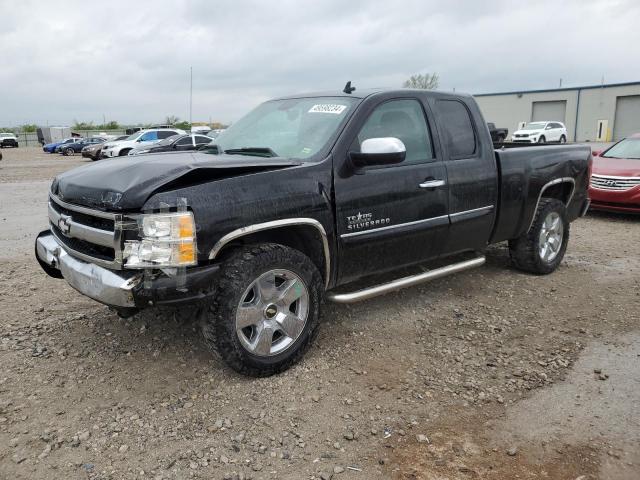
[
  {"x": 606, "y": 182},
  {"x": 91, "y": 235}
]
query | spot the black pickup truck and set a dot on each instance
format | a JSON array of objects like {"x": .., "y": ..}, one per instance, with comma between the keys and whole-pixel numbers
[{"x": 296, "y": 201}]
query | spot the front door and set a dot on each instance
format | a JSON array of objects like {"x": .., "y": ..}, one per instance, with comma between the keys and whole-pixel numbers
[{"x": 393, "y": 215}]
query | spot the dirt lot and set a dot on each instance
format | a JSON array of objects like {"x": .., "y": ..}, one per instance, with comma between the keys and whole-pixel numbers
[{"x": 487, "y": 374}]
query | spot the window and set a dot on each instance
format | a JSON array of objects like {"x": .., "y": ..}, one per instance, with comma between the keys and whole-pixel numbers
[
  {"x": 457, "y": 129},
  {"x": 200, "y": 140},
  {"x": 149, "y": 136},
  {"x": 291, "y": 127},
  {"x": 184, "y": 141},
  {"x": 402, "y": 119},
  {"x": 162, "y": 134}
]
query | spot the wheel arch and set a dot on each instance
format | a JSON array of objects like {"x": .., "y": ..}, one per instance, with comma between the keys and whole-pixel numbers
[
  {"x": 561, "y": 189},
  {"x": 304, "y": 234}
]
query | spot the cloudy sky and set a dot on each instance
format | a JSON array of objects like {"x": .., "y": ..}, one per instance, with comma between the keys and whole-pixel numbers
[{"x": 129, "y": 61}]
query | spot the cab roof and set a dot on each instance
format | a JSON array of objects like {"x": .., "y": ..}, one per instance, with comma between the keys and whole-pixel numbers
[{"x": 367, "y": 92}]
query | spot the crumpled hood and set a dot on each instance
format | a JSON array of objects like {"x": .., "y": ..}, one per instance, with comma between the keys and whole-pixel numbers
[{"x": 125, "y": 184}]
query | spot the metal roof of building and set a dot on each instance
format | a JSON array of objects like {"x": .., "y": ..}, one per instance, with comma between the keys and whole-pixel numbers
[{"x": 588, "y": 87}]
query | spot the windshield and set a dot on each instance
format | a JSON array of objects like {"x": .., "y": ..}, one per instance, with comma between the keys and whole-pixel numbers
[
  {"x": 134, "y": 136},
  {"x": 534, "y": 126},
  {"x": 168, "y": 140},
  {"x": 293, "y": 128},
  {"x": 627, "y": 148}
]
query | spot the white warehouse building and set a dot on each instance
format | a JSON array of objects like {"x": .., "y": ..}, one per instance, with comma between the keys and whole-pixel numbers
[{"x": 599, "y": 113}]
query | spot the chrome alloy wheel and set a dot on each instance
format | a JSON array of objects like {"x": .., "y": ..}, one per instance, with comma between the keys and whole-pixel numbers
[
  {"x": 272, "y": 312},
  {"x": 550, "y": 240}
]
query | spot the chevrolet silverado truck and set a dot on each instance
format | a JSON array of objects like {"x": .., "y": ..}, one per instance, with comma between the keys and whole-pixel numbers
[{"x": 298, "y": 201}]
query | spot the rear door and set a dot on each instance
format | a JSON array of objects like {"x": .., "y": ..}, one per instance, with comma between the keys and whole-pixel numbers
[
  {"x": 471, "y": 172},
  {"x": 392, "y": 215}
]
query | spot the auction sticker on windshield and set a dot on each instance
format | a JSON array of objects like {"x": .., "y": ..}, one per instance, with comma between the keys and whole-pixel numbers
[{"x": 328, "y": 108}]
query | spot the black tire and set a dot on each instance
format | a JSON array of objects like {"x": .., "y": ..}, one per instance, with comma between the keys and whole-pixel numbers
[
  {"x": 563, "y": 139},
  {"x": 525, "y": 250},
  {"x": 124, "y": 152},
  {"x": 69, "y": 152},
  {"x": 542, "y": 139},
  {"x": 500, "y": 139},
  {"x": 237, "y": 274}
]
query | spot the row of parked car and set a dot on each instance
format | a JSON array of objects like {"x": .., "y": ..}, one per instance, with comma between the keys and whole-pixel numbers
[{"x": 153, "y": 140}]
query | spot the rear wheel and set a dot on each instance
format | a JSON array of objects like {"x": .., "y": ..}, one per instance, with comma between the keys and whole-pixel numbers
[
  {"x": 266, "y": 309},
  {"x": 542, "y": 248},
  {"x": 500, "y": 139},
  {"x": 542, "y": 139},
  {"x": 69, "y": 152},
  {"x": 563, "y": 139}
]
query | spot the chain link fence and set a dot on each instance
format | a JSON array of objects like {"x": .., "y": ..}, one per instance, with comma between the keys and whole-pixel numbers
[{"x": 30, "y": 139}]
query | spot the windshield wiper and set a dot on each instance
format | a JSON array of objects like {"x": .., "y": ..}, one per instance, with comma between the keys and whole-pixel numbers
[{"x": 255, "y": 151}]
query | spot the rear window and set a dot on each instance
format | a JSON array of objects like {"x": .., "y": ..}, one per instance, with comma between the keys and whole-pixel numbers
[
  {"x": 457, "y": 128},
  {"x": 162, "y": 134}
]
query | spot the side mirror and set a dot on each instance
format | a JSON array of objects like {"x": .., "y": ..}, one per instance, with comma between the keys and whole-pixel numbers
[
  {"x": 379, "y": 151},
  {"x": 596, "y": 153}
]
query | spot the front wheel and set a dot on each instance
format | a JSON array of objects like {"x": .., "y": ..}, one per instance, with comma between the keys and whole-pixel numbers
[
  {"x": 542, "y": 139},
  {"x": 542, "y": 248},
  {"x": 69, "y": 152},
  {"x": 266, "y": 309}
]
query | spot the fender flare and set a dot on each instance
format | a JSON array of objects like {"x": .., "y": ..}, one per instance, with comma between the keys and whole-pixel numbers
[{"x": 259, "y": 227}]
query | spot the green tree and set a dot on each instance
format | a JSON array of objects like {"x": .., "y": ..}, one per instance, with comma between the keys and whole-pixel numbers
[
  {"x": 182, "y": 125},
  {"x": 171, "y": 120},
  {"x": 83, "y": 125},
  {"x": 111, "y": 125},
  {"x": 425, "y": 82},
  {"x": 29, "y": 128}
]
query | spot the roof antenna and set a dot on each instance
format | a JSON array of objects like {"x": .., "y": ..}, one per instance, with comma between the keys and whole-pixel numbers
[{"x": 348, "y": 89}]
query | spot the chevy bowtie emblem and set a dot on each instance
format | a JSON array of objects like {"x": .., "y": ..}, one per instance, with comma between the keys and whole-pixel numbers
[{"x": 64, "y": 223}]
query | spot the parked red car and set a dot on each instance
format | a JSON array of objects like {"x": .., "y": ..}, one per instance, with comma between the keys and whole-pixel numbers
[{"x": 615, "y": 178}]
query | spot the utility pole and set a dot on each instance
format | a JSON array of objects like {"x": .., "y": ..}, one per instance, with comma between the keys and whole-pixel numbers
[
  {"x": 190, "y": 95},
  {"x": 560, "y": 84}
]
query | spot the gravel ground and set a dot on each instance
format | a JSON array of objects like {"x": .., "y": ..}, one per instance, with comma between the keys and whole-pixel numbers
[{"x": 491, "y": 373}]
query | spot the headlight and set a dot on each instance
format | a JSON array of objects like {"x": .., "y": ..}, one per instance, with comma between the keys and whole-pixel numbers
[{"x": 167, "y": 240}]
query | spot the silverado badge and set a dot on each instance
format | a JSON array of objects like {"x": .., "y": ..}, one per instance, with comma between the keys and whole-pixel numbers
[{"x": 365, "y": 220}]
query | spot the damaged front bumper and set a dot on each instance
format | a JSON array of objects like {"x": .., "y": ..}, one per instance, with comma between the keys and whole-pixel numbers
[{"x": 123, "y": 289}]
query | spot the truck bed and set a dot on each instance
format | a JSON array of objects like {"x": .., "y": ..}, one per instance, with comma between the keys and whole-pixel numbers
[{"x": 526, "y": 171}]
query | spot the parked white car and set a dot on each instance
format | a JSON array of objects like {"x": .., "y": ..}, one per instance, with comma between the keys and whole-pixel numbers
[
  {"x": 541, "y": 132},
  {"x": 8, "y": 139},
  {"x": 138, "y": 139}
]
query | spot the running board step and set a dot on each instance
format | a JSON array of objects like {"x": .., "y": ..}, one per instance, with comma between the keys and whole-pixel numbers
[{"x": 405, "y": 282}]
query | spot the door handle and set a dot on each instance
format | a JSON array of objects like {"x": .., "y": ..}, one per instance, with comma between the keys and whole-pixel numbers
[{"x": 432, "y": 184}]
